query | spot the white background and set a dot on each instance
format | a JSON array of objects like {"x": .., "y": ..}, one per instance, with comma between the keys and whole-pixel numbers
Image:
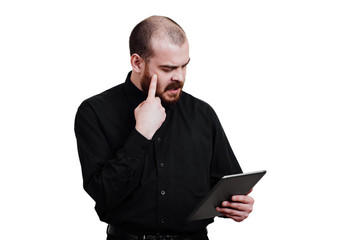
[{"x": 283, "y": 77}]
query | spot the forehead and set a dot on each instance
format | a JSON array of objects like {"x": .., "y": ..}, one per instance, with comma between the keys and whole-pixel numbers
[{"x": 167, "y": 53}]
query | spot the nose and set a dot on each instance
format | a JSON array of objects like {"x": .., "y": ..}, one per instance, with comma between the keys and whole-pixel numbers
[{"x": 179, "y": 75}]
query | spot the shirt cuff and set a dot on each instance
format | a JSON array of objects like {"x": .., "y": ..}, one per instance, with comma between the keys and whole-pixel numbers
[{"x": 137, "y": 145}]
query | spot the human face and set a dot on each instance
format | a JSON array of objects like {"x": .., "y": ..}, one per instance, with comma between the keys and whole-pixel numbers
[{"x": 169, "y": 63}]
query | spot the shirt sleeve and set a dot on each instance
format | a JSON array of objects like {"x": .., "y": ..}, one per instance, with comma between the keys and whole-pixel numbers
[
  {"x": 223, "y": 160},
  {"x": 107, "y": 178}
]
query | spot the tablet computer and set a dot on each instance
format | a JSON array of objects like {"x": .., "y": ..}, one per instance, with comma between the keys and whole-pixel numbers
[{"x": 237, "y": 184}]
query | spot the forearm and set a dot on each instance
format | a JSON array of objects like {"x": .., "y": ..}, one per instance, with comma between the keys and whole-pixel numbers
[
  {"x": 109, "y": 181},
  {"x": 107, "y": 172}
]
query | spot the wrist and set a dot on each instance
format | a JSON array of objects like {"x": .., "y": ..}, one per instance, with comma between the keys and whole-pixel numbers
[{"x": 146, "y": 133}]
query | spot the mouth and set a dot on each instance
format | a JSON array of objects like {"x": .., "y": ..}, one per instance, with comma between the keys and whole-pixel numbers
[{"x": 174, "y": 90}]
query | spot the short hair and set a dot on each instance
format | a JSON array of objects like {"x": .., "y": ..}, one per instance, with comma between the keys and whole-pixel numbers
[{"x": 154, "y": 27}]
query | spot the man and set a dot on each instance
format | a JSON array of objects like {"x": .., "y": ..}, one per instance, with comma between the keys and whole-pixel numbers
[{"x": 150, "y": 152}]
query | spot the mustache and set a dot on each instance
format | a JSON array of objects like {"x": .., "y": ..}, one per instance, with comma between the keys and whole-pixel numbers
[{"x": 174, "y": 85}]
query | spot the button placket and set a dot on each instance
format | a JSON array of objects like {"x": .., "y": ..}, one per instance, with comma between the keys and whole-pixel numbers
[{"x": 160, "y": 153}]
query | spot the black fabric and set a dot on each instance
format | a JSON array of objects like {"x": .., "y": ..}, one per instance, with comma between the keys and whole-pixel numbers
[
  {"x": 111, "y": 237},
  {"x": 116, "y": 232},
  {"x": 143, "y": 185}
]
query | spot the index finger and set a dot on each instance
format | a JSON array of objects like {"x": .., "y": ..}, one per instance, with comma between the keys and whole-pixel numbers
[
  {"x": 242, "y": 198},
  {"x": 152, "y": 87}
]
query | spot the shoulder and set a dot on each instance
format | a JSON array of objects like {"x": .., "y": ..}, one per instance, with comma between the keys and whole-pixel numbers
[
  {"x": 114, "y": 93},
  {"x": 105, "y": 99},
  {"x": 196, "y": 108},
  {"x": 196, "y": 104}
]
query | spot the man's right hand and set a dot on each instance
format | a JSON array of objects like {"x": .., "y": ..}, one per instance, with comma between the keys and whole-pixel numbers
[{"x": 150, "y": 114}]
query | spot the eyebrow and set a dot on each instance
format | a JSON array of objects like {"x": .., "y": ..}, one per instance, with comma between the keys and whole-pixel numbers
[{"x": 173, "y": 66}]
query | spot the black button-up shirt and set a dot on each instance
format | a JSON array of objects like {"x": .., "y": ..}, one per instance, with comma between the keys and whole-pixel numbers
[{"x": 143, "y": 185}]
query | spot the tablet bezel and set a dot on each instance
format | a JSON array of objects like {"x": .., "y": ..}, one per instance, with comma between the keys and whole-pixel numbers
[{"x": 227, "y": 186}]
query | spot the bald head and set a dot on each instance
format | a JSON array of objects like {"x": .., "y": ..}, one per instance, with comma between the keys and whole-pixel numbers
[{"x": 162, "y": 28}]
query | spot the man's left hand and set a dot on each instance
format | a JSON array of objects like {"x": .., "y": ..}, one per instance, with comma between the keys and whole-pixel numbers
[{"x": 238, "y": 209}]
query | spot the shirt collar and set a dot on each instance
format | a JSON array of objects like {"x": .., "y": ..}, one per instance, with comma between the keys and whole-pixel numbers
[{"x": 134, "y": 95}]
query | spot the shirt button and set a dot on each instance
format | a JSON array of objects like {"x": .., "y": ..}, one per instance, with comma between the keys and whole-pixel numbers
[
  {"x": 162, "y": 165},
  {"x": 159, "y": 139},
  {"x": 162, "y": 192}
]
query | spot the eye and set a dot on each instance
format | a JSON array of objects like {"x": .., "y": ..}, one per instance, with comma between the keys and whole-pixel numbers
[{"x": 167, "y": 70}]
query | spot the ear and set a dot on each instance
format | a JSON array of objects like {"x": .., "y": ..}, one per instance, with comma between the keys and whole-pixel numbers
[{"x": 137, "y": 63}]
